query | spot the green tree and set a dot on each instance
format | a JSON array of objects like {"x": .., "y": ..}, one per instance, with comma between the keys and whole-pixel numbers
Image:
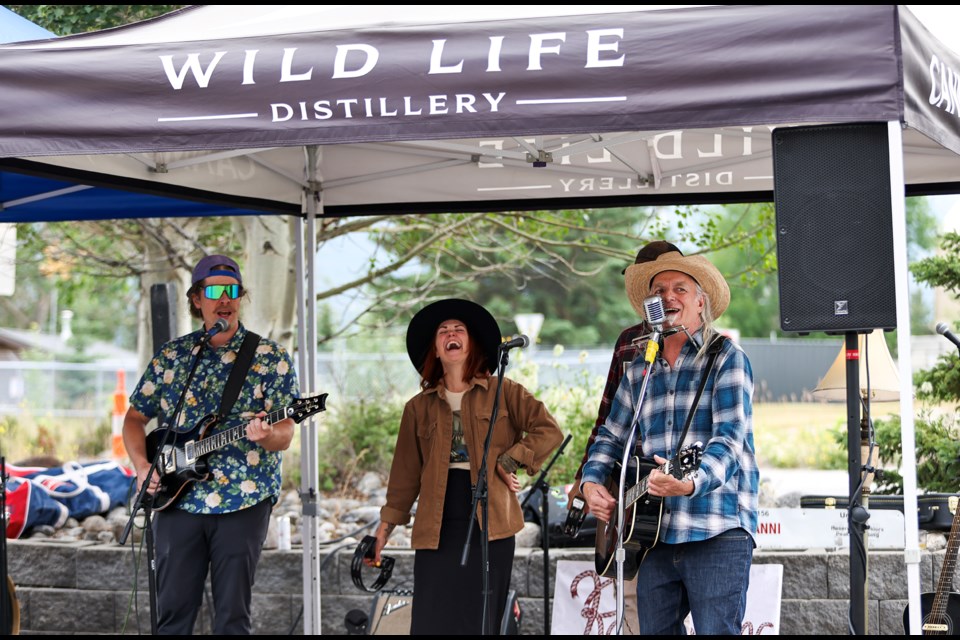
[
  {"x": 67, "y": 19},
  {"x": 942, "y": 382},
  {"x": 937, "y": 433},
  {"x": 566, "y": 264}
]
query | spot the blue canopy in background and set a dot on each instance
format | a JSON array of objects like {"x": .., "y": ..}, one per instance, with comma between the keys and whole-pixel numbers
[{"x": 31, "y": 196}]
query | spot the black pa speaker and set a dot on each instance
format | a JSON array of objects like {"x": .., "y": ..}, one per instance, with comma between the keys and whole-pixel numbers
[
  {"x": 831, "y": 187},
  {"x": 163, "y": 313}
]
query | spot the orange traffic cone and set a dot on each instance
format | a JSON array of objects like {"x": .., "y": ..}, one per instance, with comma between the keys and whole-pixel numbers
[{"x": 119, "y": 411}]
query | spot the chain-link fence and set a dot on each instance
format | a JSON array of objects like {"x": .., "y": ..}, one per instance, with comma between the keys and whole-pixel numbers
[
  {"x": 784, "y": 370},
  {"x": 62, "y": 389}
]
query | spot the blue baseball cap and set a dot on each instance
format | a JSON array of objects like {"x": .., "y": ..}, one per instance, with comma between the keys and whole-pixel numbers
[{"x": 216, "y": 265}]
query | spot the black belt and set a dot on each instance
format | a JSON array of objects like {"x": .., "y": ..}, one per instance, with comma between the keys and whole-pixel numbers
[{"x": 365, "y": 550}]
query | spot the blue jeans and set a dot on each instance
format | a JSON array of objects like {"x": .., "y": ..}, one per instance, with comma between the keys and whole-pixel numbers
[{"x": 708, "y": 579}]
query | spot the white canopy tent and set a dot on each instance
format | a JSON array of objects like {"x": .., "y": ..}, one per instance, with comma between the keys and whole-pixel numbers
[{"x": 349, "y": 110}]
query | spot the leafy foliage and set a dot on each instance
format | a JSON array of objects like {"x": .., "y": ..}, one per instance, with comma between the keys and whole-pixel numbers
[
  {"x": 937, "y": 450},
  {"x": 563, "y": 264},
  {"x": 942, "y": 382},
  {"x": 67, "y": 19},
  {"x": 359, "y": 437},
  {"x": 362, "y": 436}
]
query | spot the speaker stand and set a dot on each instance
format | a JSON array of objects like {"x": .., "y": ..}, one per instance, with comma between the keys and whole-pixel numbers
[{"x": 857, "y": 515}]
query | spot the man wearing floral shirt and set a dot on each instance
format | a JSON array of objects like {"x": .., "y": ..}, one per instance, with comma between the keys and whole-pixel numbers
[{"x": 220, "y": 523}]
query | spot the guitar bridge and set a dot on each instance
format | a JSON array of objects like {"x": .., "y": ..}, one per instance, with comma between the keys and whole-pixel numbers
[{"x": 168, "y": 462}]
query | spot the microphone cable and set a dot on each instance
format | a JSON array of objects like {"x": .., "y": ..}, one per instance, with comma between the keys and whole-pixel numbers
[{"x": 332, "y": 554}]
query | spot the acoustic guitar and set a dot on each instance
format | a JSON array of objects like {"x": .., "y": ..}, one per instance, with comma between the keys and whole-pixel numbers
[
  {"x": 11, "y": 611},
  {"x": 940, "y": 610},
  {"x": 641, "y": 513},
  {"x": 184, "y": 458}
]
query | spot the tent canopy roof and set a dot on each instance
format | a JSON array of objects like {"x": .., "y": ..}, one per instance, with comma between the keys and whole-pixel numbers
[{"x": 416, "y": 108}]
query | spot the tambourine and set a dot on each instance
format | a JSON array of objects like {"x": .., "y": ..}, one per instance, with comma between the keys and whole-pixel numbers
[{"x": 365, "y": 550}]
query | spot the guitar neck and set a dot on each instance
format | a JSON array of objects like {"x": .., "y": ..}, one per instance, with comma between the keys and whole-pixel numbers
[
  {"x": 223, "y": 438},
  {"x": 945, "y": 582},
  {"x": 637, "y": 491}
]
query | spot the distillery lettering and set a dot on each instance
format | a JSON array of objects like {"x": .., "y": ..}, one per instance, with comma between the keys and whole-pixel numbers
[{"x": 600, "y": 49}]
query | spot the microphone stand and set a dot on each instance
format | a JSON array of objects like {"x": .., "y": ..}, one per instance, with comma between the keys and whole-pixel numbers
[
  {"x": 544, "y": 488},
  {"x": 481, "y": 496},
  {"x": 144, "y": 500},
  {"x": 650, "y": 357}
]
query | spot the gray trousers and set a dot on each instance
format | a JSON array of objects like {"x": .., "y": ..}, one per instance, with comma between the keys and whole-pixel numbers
[{"x": 187, "y": 545}]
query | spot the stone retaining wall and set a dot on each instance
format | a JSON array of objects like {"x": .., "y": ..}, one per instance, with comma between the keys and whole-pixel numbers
[{"x": 88, "y": 588}]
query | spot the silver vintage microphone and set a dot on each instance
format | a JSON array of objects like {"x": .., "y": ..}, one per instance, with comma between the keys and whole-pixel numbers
[
  {"x": 653, "y": 312},
  {"x": 655, "y": 315}
]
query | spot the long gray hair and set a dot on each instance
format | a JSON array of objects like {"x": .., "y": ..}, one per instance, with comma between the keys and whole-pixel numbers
[{"x": 707, "y": 329}]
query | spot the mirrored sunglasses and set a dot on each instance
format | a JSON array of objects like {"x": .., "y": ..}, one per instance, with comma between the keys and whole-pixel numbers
[{"x": 216, "y": 291}]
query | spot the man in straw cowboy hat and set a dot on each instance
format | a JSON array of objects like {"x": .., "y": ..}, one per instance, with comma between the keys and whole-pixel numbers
[
  {"x": 698, "y": 560},
  {"x": 624, "y": 352}
]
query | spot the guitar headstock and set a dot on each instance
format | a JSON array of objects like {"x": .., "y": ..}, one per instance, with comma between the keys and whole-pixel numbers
[
  {"x": 303, "y": 408},
  {"x": 688, "y": 460}
]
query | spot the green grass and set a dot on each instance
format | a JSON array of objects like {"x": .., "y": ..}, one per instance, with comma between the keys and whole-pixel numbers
[
  {"x": 799, "y": 435},
  {"x": 787, "y": 435}
]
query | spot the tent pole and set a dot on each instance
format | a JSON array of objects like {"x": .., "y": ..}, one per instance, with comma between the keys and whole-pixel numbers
[
  {"x": 904, "y": 362},
  {"x": 307, "y": 341}
]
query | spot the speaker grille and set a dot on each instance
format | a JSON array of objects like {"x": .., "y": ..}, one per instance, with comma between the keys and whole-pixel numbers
[
  {"x": 163, "y": 313},
  {"x": 834, "y": 228}
]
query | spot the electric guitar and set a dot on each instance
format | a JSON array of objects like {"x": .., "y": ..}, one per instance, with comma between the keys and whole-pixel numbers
[
  {"x": 641, "y": 514},
  {"x": 940, "y": 611},
  {"x": 184, "y": 457}
]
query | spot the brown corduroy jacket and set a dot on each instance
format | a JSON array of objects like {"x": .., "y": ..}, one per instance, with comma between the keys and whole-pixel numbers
[{"x": 524, "y": 430}]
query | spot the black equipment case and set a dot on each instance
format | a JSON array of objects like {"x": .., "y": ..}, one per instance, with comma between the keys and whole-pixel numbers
[
  {"x": 935, "y": 510},
  {"x": 557, "y": 512}
]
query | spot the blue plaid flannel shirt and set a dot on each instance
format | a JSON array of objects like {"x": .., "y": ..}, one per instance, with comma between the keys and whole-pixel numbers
[{"x": 727, "y": 482}]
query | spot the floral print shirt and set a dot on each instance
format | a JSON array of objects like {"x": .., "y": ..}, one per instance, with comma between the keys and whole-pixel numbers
[{"x": 242, "y": 474}]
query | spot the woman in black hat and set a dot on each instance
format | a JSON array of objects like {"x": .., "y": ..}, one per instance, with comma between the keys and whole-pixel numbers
[{"x": 453, "y": 344}]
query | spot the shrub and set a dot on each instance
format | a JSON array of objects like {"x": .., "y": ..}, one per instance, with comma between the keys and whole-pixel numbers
[
  {"x": 358, "y": 437},
  {"x": 361, "y": 436},
  {"x": 937, "y": 448}
]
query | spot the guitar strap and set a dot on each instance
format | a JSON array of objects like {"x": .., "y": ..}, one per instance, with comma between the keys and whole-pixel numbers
[
  {"x": 238, "y": 374},
  {"x": 712, "y": 351}
]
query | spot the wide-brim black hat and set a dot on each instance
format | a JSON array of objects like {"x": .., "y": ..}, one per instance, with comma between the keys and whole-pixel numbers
[{"x": 484, "y": 330}]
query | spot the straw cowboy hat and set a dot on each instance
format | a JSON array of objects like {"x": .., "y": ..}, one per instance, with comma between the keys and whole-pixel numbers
[
  {"x": 483, "y": 328},
  {"x": 639, "y": 276}
]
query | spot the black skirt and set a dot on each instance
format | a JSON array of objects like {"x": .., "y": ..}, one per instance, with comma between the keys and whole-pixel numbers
[{"x": 447, "y": 597}]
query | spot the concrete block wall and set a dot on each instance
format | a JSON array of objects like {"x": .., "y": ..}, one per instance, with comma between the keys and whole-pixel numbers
[{"x": 89, "y": 588}]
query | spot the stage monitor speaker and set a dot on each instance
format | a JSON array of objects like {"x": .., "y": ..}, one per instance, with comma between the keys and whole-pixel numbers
[
  {"x": 163, "y": 313},
  {"x": 831, "y": 187}
]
